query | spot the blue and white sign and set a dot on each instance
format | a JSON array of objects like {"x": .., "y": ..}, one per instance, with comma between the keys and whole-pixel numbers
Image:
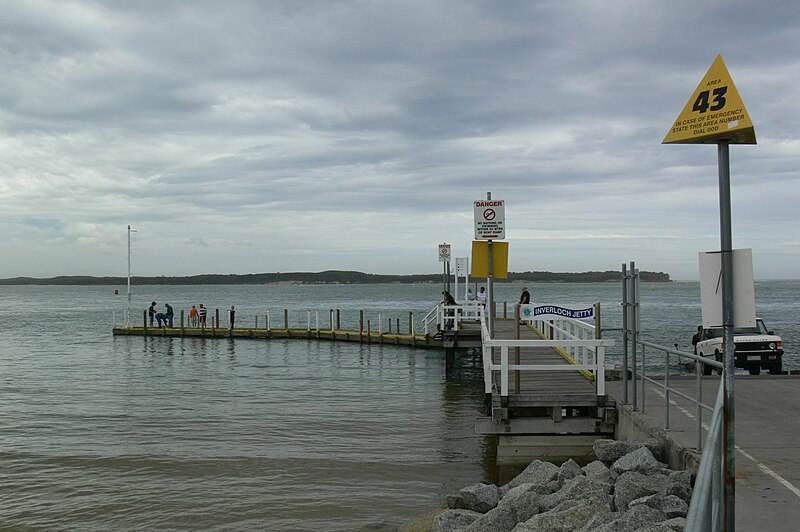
[{"x": 552, "y": 312}]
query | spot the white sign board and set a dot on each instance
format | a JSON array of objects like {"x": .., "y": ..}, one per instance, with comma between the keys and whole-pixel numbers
[
  {"x": 462, "y": 266},
  {"x": 444, "y": 252},
  {"x": 490, "y": 219},
  {"x": 553, "y": 312},
  {"x": 744, "y": 297}
]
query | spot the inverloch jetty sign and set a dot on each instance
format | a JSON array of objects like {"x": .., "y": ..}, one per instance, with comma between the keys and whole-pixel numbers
[{"x": 549, "y": 312}]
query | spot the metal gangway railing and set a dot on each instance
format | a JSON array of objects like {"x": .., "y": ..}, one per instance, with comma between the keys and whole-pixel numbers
[
  {"x": 707, "y": 507},
  {"x": 568, "y": 334},
  {"x": 660, "y": 378}
]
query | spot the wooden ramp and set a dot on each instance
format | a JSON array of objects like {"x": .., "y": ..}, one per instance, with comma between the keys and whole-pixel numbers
[
  {"x": 551, "y": 415},
  {"x": 537, "y": 389}
]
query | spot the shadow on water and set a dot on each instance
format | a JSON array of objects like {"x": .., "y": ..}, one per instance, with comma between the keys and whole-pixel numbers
[
  {"x": 463, "y": 393},
  {"x": 464, "y": 402}
]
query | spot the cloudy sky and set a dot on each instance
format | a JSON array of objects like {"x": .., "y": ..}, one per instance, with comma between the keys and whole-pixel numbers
[{"x": 258, "y": 136}]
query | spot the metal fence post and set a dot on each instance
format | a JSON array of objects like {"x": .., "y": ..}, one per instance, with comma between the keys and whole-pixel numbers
[
  {"x": 666, "y": 389},
  {"x": 624, "y": 335}
]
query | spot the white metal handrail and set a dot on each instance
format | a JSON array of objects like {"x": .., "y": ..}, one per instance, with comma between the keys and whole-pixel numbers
[
  {"x": 451, "y": 316},
  {"x": 471, "y": 310},
  {"x": 430, "y": 318},
  {"x": 592, "y": 358},
  {"x": 569, "y": 329}
]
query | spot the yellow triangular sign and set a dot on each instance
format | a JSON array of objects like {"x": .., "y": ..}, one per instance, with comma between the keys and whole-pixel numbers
[{"x": 714, "y": 112}]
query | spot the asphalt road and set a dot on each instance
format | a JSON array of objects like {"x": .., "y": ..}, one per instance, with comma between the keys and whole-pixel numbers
[{"x": 767, "y": 436}]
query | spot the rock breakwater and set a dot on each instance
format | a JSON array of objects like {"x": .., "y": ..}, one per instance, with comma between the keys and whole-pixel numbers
[{"x": 626, "y": 490}]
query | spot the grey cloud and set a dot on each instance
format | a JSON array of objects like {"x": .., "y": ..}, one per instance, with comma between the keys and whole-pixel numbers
[{"x": 228, "y": 125}]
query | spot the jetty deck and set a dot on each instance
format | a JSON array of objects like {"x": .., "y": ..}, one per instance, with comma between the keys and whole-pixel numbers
[{"x": 537, "y": 389}]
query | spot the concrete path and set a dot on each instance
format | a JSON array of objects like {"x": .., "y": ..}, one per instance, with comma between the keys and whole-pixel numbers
[{"x": 767, "y": 420}]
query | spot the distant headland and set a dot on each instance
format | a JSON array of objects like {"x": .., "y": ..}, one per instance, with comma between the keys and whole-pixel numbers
[{"x": 328, "y": 277}]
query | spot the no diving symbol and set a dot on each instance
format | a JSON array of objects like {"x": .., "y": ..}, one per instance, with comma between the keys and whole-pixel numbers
[{"x": 489, "y": 214}]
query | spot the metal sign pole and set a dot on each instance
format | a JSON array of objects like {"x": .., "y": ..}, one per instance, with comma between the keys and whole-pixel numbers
[
  {"x": 490, "y": 284},
  {"x": 728, "y": 346},
  {"x": 128, "y": 312},
  {"x": 624, "y": 334},
  {"x": 444, "y": 276},
  {"x": 447, "y": 276},
  {"x": 632, "y": 327}
]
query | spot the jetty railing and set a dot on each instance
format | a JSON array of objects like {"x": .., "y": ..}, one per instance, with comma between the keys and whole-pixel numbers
[
  {"x": 570, "y": 329},
  {"x": 662, "y": 381},
  {"x": 312, "y": 321},
  {"x": 431, "y": 320},
  {"x": 443, "y": 316},
  {"x": 592, "y": 361}
]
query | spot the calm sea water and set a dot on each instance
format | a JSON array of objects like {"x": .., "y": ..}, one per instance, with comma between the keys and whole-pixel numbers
[{"x": 100, "y": 433}]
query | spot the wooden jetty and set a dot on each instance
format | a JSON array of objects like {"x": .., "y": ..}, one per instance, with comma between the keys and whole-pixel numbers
[
  {"x": 412, "y": 340},
  {"x": 364, "y": 334}
]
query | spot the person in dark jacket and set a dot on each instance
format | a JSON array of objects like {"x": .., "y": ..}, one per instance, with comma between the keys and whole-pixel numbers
[
  {"x": 696, "y": 337},
  {"x": 449, "y": 300},
  {"x": 151, "y": 312},
  {"x": 525, "y": 296},
  {"x": 169, "y": 315}
]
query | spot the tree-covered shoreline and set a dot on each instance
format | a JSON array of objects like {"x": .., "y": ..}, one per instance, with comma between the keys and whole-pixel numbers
[{"x": 326, "y": 277}]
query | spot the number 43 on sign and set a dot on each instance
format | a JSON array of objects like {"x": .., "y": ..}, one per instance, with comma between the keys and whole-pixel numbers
[{"x": 714, "y": 112}]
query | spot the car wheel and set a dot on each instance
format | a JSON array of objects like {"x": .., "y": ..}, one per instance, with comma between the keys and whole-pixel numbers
[
  {"x": 718, "y": 358},
  {"x": 754, "y": 370},
  {"x": 776, "y": 368}
]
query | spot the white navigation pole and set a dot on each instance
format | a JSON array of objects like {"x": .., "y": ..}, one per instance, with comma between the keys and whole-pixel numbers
[
  {"x": 490, "y": 281},
  {"x": 128, "y": 312}
]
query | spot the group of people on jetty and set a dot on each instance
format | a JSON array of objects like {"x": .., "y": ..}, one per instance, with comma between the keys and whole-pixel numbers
[
  {"x": 480, "y": 297},
  {"x": 197, "y": 316}
]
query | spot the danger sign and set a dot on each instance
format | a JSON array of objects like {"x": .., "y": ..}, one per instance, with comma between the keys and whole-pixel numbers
[
  {"x": 490, "y": 219},
  {"x": 444, "y": 252}
]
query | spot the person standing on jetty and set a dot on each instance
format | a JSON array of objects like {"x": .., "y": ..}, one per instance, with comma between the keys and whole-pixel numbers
[
  {"x": 232, "y": 313},
  {"x": 169, "y": 315},
  {"x": 482, "y": 296},
  {"x": 524, "y": 299},
  {"x": 202, "y": 313},
  {"x": 193, "y": 317},
  {"x": 450, "y": 313},
  {"x": 525, "y": 296},
  {"x": 151, "y": 312}
]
